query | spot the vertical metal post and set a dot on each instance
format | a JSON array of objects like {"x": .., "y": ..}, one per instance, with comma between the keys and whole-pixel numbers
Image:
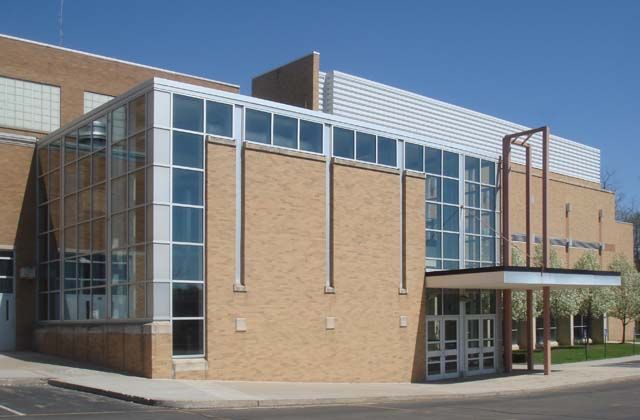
[
  {"x": 506, "y": 233},
  {"x": 507, "y": 330},
  {"x": 528, "y": 205},
  {"x": 545, "y": 197},
  {"x": 546, "y": 297},
  {"x": 530, "y": 332}
]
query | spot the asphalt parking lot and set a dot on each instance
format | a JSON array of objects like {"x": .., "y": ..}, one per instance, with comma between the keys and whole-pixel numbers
[{"x": 613, "y": 401}]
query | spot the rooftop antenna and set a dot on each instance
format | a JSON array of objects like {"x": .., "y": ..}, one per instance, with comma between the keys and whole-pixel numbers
[{"x": 60, "y": 31}]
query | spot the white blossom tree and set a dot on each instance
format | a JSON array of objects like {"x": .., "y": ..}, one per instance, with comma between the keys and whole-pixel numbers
[
  {"x": 626, "y": 298},
  {"x": 594, "y": 302}
]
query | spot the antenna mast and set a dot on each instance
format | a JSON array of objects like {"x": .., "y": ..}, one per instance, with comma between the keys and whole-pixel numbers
[{"x": 60, "y": 31}]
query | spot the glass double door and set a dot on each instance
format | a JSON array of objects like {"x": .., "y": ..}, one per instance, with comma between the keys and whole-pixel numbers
[
  {"x": 443, "y": 333},
  {"x": 480, "y": 344}
]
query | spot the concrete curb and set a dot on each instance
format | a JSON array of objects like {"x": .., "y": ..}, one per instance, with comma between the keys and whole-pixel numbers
[
  {"x": 306, "y": 402},
  {"x": 22, "y": 381}
]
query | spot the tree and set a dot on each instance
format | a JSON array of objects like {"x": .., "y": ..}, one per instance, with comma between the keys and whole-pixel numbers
[
  {"x": 626, "y": 298},
  {"x": 594, "y": 301}
]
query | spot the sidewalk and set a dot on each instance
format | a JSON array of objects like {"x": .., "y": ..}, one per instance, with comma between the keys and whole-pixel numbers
[{"x": 35, "y": 367}]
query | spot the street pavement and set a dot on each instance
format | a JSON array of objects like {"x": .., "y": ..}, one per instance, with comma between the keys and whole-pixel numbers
[{"x": 610, "y": 401}]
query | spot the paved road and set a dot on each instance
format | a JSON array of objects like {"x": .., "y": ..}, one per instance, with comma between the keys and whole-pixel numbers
[{"x": 615, "y": 401}]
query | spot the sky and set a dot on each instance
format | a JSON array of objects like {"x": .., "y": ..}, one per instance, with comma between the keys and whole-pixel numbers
[{"x": 573, "y": 65}]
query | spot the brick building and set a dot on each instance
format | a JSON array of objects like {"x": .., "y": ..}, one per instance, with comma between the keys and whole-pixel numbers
[{"x": 326, "y": 228}]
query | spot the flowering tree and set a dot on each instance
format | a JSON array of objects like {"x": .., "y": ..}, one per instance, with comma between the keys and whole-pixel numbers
[
  {"x": 596, "y": 301},
  {"x": 626, "y": 298}
]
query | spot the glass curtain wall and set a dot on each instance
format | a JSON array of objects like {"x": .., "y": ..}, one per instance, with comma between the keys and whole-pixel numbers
[{"x": 92, "y": 219}]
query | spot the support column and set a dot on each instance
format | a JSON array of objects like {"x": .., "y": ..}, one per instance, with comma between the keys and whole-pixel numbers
[
  {"x": 507, "y": 329},
  {"x": 546, "y": 297},
  {"x": 530, "y": 332}
]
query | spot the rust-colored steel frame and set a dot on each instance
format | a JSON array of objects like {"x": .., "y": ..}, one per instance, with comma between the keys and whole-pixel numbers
[{"x": 522, "y": 139}]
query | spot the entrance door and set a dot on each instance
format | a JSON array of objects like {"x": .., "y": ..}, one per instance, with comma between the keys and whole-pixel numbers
[
  {"x": 442, "y": 347},
  {"x": 480, "y": 345},
  {"x": 7, "y": 302}
]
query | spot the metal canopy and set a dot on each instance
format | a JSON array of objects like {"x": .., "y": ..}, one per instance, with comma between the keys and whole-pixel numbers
[{"x": 523, "y": 278}]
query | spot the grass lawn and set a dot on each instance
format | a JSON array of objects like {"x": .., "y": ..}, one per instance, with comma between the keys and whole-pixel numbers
[{"x": 577, "y": 353}]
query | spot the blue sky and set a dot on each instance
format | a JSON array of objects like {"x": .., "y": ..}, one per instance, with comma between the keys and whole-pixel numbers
[{"x": 574, "y": 65}]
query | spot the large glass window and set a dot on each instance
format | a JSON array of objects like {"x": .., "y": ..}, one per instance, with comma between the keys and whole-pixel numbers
[
  {"x": 187, "y": 224},
  {"x": 387, "y": 151},
  {"x": 480, "y": 212},
  {"x": 187, "y": 113},
  {"x": 258, "y": 126},
  {"x": 365, "y": 147},
  {"x": 219, "y": 119},
  {"x": 187, "y": 187},
  {"x": 285, "y": 131},
  {"x": 188, "y": 150},
  {"x": 311, "y": 136},
  {"x": 343, "y": 143},
  {"x": 413, "y": 157}
]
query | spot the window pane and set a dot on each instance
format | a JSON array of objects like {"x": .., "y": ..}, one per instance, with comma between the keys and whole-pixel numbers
[
  {"x": 472, "y": 247},
  {"x": 70, "y": 305},
  {"x": 43, "y": 160},
  {"x": 187, "y": 300},
  {"x": 84, "y": 238},
  {"x": 53, "y": 189},
  {"x": 434, "y": 245},
  {"x": 285, "y": 131},
  {"x": 433, "y": 161},
  {"x": 99, "y": 133},
  {"x": 99, "y": 166},
  {"x": 119, "y": 270},
  {"x": 258, "y": 126},
  {"x": 118, "y": 124},
  {"x": 387, "y": 150},
  {"x": 54, "y": 306},
  {"x": 84, "y": 140},
  {"x": 472, "y": 169},
  {"x": 450, "y": 164},
  {"x": 6, "y": 268},
  {"x": 187, "y": 224},
  {"x": 488, "y": 198},
  {"x": 70, "y": 147},
  {"x": 118, "y": 194},
  {"x": 119, "y": 230},
  {"x": 119, "y": 304},
  {"x": 137, "y": 264},
  {"x": 488, "y": 223},
  {"x": 54, "y": 154},
  {"x": 433, "y": 264},
  {"x": 119, "y": 158},
  {"x": 98, "y": 203},
  {"x": 471, "y": 195},
  {"x": 187, "y": 337},
  {"x": 187, "y": 187},
  {"x": 70, "y": 180},
  {"x": 488, "y": 250},
  {"x": 432, "y": 185},
  {"x": 98, "y": 235},
  {"x": 136, "y": 225},
  {"x": 472, "y": 221},
  {"x": 450, "y": 218},
  {"x": 84, "y": 205},
  {"x": 310, "y": 136},
  {"x": 98, "y": 303},
  {"x": 187, "y": 262},
  {"x": 450, "y": 191},
  {"x": 433, "y": 217},
  {"x": 136, "y": 115},
  {"x": 414, "y": 157},
  {"x": 451, "y": 265},
  {"x": 187, "y": 113},
  {"x": 84, "y": 172},
  {"x": 366, "y": 147},
  {"x": 343, "y": 143},
  {"x": 136, "y": 151},
  {"x": 450, "y": 246},
  {"x": 70, "y": 242},
  {"x": 434, "y": 307},
  {"x": 70, "y": 210},
  {"x": 188, "y": 150},
  {"x": 219, "y": 119},
  {"x": 98, "y": 270},
  {"x": 488, "y": 172},
  {"x": 136, "y": 188},
  {"x": 450, "y": 306}
]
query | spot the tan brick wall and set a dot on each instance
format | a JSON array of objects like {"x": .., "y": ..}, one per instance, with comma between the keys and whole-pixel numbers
[
  {"x": 586, "y": 199},
  {"x": 285, "y": 305},
  {"x": 295, "y": 83},
  {"x": 615, "y": 330},
  {"x": 17, "y": 229},
  {"x": 136, "y": 349},
  {"x": 76, "y": 73}
]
